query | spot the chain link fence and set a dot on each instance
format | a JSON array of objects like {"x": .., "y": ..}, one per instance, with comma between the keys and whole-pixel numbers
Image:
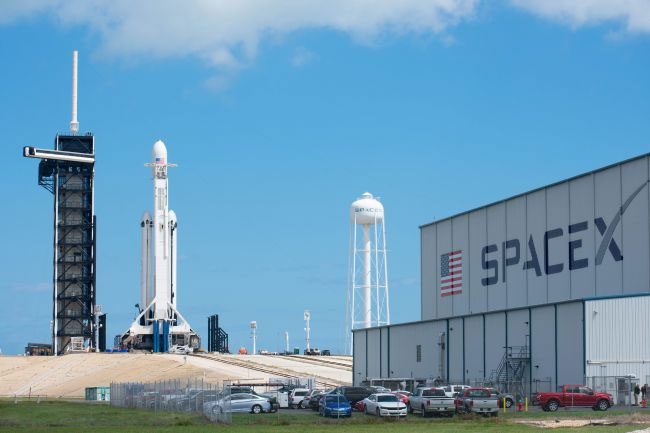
[
  {"x": 180, "y": 395},
  {"x": 621, "y": 388}
]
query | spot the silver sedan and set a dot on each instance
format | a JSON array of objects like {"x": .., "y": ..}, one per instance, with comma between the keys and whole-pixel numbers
[{"x": 248, "y": 403}]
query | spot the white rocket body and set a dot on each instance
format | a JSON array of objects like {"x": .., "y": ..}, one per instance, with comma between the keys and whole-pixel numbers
[
  {"x": 163, "y": 262},
  {"x": 159, "y": 232}
]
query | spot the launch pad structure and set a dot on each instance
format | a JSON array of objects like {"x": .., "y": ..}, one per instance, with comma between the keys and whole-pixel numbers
[{"x": 68, "y": 172}]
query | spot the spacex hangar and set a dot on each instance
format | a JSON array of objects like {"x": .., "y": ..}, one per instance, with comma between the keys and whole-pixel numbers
[{"x": 541, "y": 289}]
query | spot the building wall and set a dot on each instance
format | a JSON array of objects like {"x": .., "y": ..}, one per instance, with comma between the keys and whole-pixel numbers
[
  {"x": 546, "y": 246},
  {"x": 617, "y": 336},
  {"x": 475, "y": 344}
]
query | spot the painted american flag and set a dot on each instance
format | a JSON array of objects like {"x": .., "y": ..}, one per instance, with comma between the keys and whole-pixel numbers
[{"x": 451, "y": 273}]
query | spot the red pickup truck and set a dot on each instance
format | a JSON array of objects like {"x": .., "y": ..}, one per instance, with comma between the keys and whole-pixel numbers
[{"x": 573, "y": 395}]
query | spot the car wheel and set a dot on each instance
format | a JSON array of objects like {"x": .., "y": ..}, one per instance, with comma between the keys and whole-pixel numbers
[
  {"x": 552, "y": 405},
  {"x": 256, "y": 409},
  {"x": 409, "y": 408},
  {"x": 603, "y": 405},
  {"x": 424, "y": 412},
  {"x": 377, "y": 412},
  {"x": 365, "y": 410},
  {"x": 509, "y": 403}
]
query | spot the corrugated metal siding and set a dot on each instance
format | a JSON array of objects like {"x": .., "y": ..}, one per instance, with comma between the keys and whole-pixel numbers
[
  {"x": 618, "y": 336},
  {"x": 495, "y": 340},
  {"x": 456, "y": 349},
  {"x": 374, "y": 354},
  {"x": 594, "y": 196},
  {"x": 474, "y": 347},
  {"x": 543, "y": 344},
  {"x": 474, "y": 351},
  {"x": 570, "y": 348}
]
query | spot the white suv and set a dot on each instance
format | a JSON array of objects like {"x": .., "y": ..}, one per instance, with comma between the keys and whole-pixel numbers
[{"x": 296, "y": 396}]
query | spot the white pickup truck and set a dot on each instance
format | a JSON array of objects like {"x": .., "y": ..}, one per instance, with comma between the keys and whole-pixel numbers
[
  {"x": 430, "y": 401},
  {"x": 478, "y": 400}
]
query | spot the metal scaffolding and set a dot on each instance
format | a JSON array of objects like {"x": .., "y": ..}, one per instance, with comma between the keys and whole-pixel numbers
[
  {"x": 72, "y": 184},
  {"x": 217, "y": 337}
]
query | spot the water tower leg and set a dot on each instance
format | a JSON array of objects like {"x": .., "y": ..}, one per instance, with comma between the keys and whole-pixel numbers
[{"x": 367, "y": 312}]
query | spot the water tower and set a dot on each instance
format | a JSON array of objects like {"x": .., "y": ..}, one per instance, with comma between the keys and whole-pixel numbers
[{"x": 367, "y": 296}]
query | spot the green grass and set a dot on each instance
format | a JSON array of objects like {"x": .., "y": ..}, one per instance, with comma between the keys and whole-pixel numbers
[{"x": 60, "y": 416}]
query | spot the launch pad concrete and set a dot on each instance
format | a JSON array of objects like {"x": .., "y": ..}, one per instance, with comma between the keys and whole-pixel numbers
[{"x": 67, "y": 376}]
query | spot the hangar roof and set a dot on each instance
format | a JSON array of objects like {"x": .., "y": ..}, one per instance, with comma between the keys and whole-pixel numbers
[{"x": 536, "y": 189}]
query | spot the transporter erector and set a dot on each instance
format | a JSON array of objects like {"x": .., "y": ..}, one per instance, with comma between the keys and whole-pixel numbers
[{"x": 159, "y": 326}]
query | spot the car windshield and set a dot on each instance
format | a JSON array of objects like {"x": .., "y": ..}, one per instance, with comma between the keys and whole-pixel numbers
[
  {"x": 478, "y": 393},
  {"x": 433, "y": 393},
  {"x": 387, "y": 398},
  {"x": 336, "y": 399}
]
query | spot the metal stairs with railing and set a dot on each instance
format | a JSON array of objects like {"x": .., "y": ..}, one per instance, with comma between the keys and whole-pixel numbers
[{"x": 512, "y": 367}]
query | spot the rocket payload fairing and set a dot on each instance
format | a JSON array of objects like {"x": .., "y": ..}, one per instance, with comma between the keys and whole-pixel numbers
[{"x": 159, "y": 325}]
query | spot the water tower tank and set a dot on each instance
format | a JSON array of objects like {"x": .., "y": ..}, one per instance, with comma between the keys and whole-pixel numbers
[{"x": 366, "y": 210}]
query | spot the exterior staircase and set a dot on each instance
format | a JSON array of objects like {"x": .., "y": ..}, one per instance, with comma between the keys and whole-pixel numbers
[{"x": 509, "y": 375}]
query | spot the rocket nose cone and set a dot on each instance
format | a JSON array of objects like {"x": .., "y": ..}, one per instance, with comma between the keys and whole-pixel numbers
[{"x": 159, "y": 152}]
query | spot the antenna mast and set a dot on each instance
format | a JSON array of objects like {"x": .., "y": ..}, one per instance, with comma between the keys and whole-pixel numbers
[{"x": 74, "y": 124}]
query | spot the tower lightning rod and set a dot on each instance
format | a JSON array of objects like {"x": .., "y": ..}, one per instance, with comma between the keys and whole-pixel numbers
[{"x": 74, "y": 124}]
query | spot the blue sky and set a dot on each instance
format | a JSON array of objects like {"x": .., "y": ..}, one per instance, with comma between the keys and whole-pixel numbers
[{"x": 279, "y": 116}]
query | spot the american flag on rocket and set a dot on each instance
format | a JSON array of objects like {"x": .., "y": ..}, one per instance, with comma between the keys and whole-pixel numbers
[
  {"x": 160, "y": 160},
  {"x": 451, "y": 273}
]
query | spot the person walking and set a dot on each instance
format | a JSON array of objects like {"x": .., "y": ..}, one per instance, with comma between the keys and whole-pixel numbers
[{"x": 637, "y": 391}]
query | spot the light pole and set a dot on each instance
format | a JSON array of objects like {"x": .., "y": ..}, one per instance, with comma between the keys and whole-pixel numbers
[
  {"x": 254, "y": 336},
  {"x": 307, "y": 317}
]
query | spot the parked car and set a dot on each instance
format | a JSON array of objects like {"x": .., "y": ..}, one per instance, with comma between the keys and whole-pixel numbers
[
  {"x": 307, "y": 398},
  {"x": 384, "y": 404},
  {"x": 326, "y": 352},
  {"x": 573, "y": 395},
  {"x": 296, "y": 397},
  {"x": 477, "y": 400},
  {"x": 353, "y": 393},
  {"x": 240, "y": 403},
  {"x": 314, "y": 399},
  {"x": 430, "y": 401},
  {"x": 403, "y": 396},
  {"x": 378, "y": 389},
  {"x": 335, "y": 405},
  {"x": 509, "y": 398},
  {"x": 455, "y": 390}
]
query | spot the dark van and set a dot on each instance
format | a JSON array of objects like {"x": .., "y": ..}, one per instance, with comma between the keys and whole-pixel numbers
[{"x": 353, "y": 393}]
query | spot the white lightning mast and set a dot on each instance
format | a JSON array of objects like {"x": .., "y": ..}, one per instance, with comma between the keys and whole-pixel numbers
[
  {"x": 74, "y": 124},
  {"x": 307, "y": 317},
  {"x": 254, "y": 336},
  {"x": 367, "y": 293}
]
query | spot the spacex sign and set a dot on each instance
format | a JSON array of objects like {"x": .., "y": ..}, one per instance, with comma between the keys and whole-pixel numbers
[{"x": 536, "y": 257}]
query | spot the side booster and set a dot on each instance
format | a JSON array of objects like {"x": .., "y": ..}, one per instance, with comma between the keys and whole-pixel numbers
[{"x": 159, "y": 325}]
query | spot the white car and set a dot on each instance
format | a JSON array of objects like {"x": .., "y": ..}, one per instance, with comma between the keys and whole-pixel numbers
[
  {"x": 384, "y": 404},
  {"x": 455, "y": 390}
]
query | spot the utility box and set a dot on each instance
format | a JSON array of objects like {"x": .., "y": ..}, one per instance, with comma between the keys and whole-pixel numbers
[{"x": 98, "y": 393}]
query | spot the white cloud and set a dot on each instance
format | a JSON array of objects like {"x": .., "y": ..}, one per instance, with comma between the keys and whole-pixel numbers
[
  {"x": 633, "y": 15},
  {"x": 226, "y": 34}
]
